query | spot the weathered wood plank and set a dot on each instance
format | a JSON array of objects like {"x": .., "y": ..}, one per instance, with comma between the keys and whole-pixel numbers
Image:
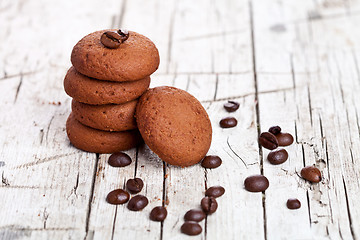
[
  {"x": 53, "y": 179},
  {"x": 314, "y": 78},
  {"x": 36, "y": 158},
  {"x": 305, "y": 78}
]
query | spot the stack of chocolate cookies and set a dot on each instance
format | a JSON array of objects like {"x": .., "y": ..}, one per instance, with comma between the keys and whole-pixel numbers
[{"x": 111, "y": 70}]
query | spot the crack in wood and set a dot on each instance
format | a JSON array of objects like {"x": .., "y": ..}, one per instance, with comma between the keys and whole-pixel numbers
[
  {"x": 321, "y": 131},
  {"x": 188, "y": 83},
  {"x": 348, "y": 126},
  {"x": 213, "y": 35},
  {"x": 331, "y": 211},
  {"x": 45, "y": 217},
  {"x": 22, "y": 187},
  {"x": 202, "y": 73},
  {"x": 18, "y": 88},
  {"x": 292, "y": 73},
  {"x": 348, "y": 209},
  {"x": 252, "y": 37},
  {"x": 21, "y": 74},
  {"x": 173, "y": 79},
  {"x": 74, "y": 189},
  {"x": 212, "y": 62},
  {"x": 324, "y": 18},
  {"x": 309, "y": 104},
  {"x": 216, "y": 86},
  {"x": 114, "y": 221},
  {"x": 247, "y": 95},
  {"x": 177, "y": 221},
  {"x": 206, "y": 216},
  {"x": 327, "y": 231},
  {"x": 205, "y": 230},
  {"x": 340, "y": 233},
  {"x": 44, "y": 160},
  {"x": 205, "y": 179},
  {"x": 232, "y": 150},
  {"x": 339, "y": 79},
  {"x": 296, "y": 133},
  {"x": 41, "y": 136},
  {"x": 136, "y": 161},
  {"x": 21, "y": 228},
  {"x": 164, "y": 198},
  {"x": 357, "y": 121},
  {"x": 5, "y": 181},
  {"x": 327, "y": 161},
  {"x": 352, "y": 156},
  {"x": 122, "y": 13},
  {"x": 231, "y": 73},
  {"x": 318, "y": 159},
  {"x": 87, "y": 222},
  {"x": 170, "y": 37},
  {"x": 48, "y": 128},
  {"x": 308, "y": 205},
  {"x": 208, "y": 106}
]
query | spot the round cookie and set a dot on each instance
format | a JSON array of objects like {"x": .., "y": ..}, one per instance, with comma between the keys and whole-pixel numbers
[
  {"x": 174, "y": 125},
  {"x": 134, "y": 59},
  {"x": 97, "y": 141},
  {"x": 96, "y": 92},
  {"x": 108, "y": 117}
]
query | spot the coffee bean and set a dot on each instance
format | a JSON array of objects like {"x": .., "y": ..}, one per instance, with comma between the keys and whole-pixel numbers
[
  {"x": 277, "y": 156},
  {"x": 268, "y": 140},
  {"x": 124, "y": 34},
  {"x": 119, "y": 159},
  {"x": 293, "y": 203},
  {"x": 228, "y": 122},
  {"x": 137, "y": 203},
  {"x": 275, "y": 130},
  {"x": 311, "y": 174},
  {"x": 118, "y": 196},
  {"x": 256, "y": 183},
  {"x": 284, "y": 139},
  {"x": 209, "y": 205},
  {"x": 215, "y": 191},
  {"x": 110, "y": 39},
  {"x": 195, "y": 215},
  {"x": 211, "y": 161},
  {"x": 231, "y": 106},
  {"x": 191, "y": 228},
  {"x": 134, "y": 185},
  {"x": 158, "y": 214}
]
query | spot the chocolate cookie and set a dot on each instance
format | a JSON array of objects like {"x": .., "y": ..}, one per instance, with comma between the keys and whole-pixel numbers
[
  {"x": 108, "y": 117},
  {"x": 96, "y": 92},
  {"x": 93, "y": 140},
  {"x": 134, "y": 59},
  {"x": 174, "y": 125}
]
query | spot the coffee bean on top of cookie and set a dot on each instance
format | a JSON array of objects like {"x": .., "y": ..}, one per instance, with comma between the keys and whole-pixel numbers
[{"x": 135, "y": 58}]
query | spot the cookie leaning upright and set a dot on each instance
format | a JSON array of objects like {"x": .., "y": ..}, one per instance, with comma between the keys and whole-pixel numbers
[
  {"x": 174, "y": 125},
  {"x": 134, "y": 59}
]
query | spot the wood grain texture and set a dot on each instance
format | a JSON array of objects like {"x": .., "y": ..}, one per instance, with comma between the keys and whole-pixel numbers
[{"x": 289, "y": 63}]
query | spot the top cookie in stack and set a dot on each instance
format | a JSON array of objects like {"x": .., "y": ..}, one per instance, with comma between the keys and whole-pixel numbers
[{"x": 111, "y": 70}]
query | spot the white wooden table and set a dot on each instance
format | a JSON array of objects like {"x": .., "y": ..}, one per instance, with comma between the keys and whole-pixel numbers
[{"x": 289, "y": 63}]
